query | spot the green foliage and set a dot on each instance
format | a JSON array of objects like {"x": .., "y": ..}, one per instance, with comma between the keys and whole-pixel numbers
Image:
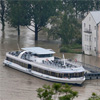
[
  {"x": 54, "y": 30},
  {"x": 56, "y": 91},
  {"x": 94, "y": 97},
  {"x": 62, "y": 16},
  {"x": 45, "y": 93},
  {"x": 64, "y": 49},
  {"x": 82, "y": 6},
  {"x": 73, "y": 48},
  {"x": 56, "y": 87},
  {"x": 41, "y": 10},
  {"x": 69, "y": 93},
  {"x": 18, "y": 12},
  {"x": 65, "y": 27},
  {"x": 69, "y": 30},
  {"x": 97, "y": 4}
]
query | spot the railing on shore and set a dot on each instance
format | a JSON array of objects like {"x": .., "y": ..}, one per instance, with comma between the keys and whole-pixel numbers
[{"x": 94, "y": 71}]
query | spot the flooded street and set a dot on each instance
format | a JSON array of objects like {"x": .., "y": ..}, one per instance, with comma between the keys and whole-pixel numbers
[{"x": 15, "y": 85}]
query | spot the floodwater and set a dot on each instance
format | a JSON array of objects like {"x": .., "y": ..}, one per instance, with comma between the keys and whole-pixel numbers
[{"x": 15, "y": 85}]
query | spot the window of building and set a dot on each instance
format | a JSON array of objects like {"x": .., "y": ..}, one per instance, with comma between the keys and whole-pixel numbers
[
  {"x": 87, "y": 48},
  {"x": 94, "y": 39},
  {"x": 87, "y": 38},
  {"x": 94, "y": 27},
  {"x": 89, "y": 27},
  {"x": 84, "y": 24},
  {"x": 90, "y": 48},
  {"x": 94, "y": 48},
  {"x": 90, "y": 38}
]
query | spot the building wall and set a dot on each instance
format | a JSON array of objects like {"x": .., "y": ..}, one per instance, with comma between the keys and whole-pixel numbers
[
  {"x": 98, "y": 40},
  {"x": 89, "y": 35}
]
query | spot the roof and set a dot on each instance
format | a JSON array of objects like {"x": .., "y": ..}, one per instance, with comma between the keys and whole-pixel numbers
[
  {"x": 96, "y": 16},
  {"x": 38, "y": 50}
]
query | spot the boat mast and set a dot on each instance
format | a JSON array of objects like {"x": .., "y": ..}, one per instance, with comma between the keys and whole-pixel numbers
[{"x": 64, "y": 60}]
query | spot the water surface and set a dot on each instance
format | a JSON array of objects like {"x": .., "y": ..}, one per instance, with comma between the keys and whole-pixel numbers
[{"x": 15, "y": 85}]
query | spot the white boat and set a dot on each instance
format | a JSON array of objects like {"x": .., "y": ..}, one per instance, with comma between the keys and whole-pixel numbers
[{"x": 41, "y": 63}]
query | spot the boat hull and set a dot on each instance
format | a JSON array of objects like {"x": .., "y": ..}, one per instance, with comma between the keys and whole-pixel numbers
[{"x": 78, "y": 81}]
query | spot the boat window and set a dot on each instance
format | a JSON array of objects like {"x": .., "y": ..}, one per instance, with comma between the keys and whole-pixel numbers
[
  {"x": 72, "y": 75},
  {"x": 52, "y": 73},
  {"x": 29, "y": 66},
  {"x": 7, "y": 58},
  {"x": 40, "y": 70},
  {"x": 34, "y": 68},
  {"x": 61, "y": 75},
  {"x": 45, "y": 72},
  {"x": 66, "y": 75},
  {"x": 43, "y": 55}
]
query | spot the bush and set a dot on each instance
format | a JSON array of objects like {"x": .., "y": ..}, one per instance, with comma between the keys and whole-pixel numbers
[
  {"x": 64, "y": 49},
  {"x": 71, "y": 49},
  {"x": 75, "y": 46}
]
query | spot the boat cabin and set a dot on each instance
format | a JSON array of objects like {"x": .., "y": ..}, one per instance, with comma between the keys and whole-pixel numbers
[{"x": 37, "y": 54}]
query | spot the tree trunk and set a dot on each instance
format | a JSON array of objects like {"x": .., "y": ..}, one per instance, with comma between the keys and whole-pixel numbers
[
  {"x": 2, "y": 14},
  {"x": 18, "y": 28},
  {"x": 36, "y": 32},
  {"x": 3, "y": 37}
]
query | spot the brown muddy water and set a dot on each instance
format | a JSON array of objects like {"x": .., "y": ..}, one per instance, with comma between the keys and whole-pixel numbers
[{"x": 15, "y": 85}]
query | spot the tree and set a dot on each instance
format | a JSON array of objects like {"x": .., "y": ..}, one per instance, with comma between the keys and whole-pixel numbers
[
  {"x": 2, "y": 3},
  {"x": 45, "y": 93},
  {"x": 18, "y": 13},
  {"x": 82, "y": 6},
  {"x": 94, "y": 97},
  {"x": 97, "y": 4},
  {"x": 56, "y": 87},
  {"x": 56, "y": 91},
  {"x": 54, "y": 29},
  {"x": 68, "y": 29},
  {"x": 69, "y": 94},
  {"x": 41, "y": 11}
]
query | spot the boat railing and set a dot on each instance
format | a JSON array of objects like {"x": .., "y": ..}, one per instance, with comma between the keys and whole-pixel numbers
[
  {"x": 15, "y": 53},
  {"x": 69, "y": 62},
  {"x": 27, "y": 56},
  {"x": 59, "y": 64},
  {"x": 52, "y": 63}
]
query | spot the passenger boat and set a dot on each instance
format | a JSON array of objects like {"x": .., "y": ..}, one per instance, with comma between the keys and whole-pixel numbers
[{"x": 41, "y": 63}]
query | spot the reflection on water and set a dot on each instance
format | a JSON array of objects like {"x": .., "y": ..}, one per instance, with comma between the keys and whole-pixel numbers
[
  {"x": 15, "y": 85},
  {"x": 2, "y": 37}
]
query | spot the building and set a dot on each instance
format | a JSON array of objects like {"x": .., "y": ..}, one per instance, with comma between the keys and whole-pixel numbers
[{"x": 91, "y": 34}]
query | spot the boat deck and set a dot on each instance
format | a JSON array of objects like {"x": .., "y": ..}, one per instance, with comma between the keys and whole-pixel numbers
[{"x": 57, "y": 63}]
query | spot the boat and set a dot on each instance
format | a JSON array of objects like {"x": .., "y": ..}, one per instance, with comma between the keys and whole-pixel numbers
[{"x": 42, "y": 63}]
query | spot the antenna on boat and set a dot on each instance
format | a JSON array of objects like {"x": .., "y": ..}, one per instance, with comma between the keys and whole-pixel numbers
[{"x": 64, "y": 60}]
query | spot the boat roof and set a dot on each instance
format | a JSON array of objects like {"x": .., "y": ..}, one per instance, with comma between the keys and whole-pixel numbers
[{"x": 38, "y": 50}]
